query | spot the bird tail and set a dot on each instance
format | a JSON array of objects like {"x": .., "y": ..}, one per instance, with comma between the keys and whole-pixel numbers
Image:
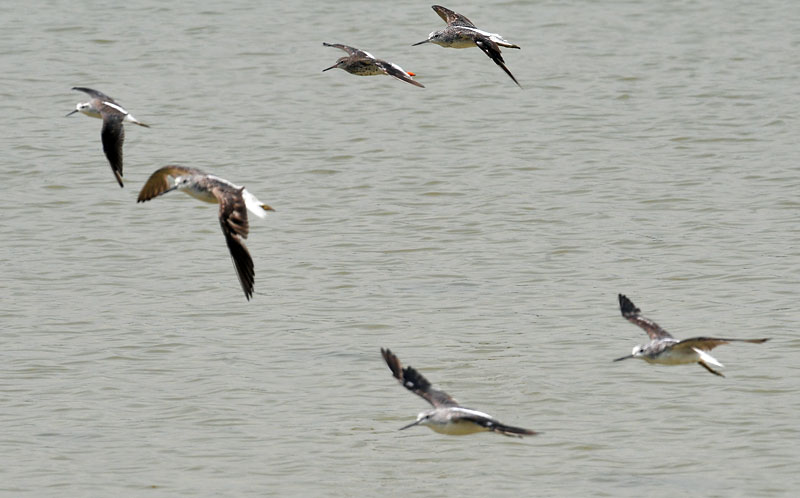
[
  {"x": 707, "y": 357},
  {"x": 255, "y": 206},
  {"x": 129, "y": 117}
]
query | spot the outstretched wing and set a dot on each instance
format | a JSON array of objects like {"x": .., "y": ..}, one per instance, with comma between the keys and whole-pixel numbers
[
  {"x": 497, "y": 426},
  {"x": 631, "y": 313},
  {"x": 491, "y": 49},
  {"x": 159, "y": 182},
  {"x": 113, "y": 135},
  {"x": 397, "y": 72},
  {"x": 349, "y": 50},
  {"x": 709, "y": 343},
  {"x": 452, "y": 18},
  {"x": 233, "y": 220},
  {"x": 416, "y": 383},
  {"x": 94, "y": 93}
]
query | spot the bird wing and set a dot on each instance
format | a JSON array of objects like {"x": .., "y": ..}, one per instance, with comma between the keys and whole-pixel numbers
[
  {"x": 94, "y": 93},
  {"x": 233, "y": 220},
  {"x": 113, "y": 135},
  {"x": 159, "y": 181},
  {"x": 495, "y": 425},
  {"x": 416, "y": 383},
  {"x": 452, "y": 18},
  {"x": 491, "y": 49},
  {"x": 397, "y": 71},
  {"x": 631, "y": 313},
  {"x": 709, "y": 343},
  {"x": 350, "y": 50}
]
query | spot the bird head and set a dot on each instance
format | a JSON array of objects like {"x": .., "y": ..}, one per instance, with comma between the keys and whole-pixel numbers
[
  {"x": 339, "y": 63},
  {"x": 422, "y": 419},
  {"x": 637, "y": 352},
  {"x": 85, "y": 108}
]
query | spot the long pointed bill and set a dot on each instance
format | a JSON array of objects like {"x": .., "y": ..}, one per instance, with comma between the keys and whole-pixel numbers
[
  {"x": 70, "y": 114},
  {"x": 624, "y": 357},
  {"x": 328, "y": 68},
  {"x": 409, "y": 425},
  {"x": 420, "y": 43}
]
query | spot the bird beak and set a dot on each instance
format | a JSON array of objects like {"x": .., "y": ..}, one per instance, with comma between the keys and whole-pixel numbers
[
  {"x": 327, "y": 68},
  {"x": 70, "y": 114},
  {"x": 266, "y": 208},
  {"x": 409, "y": 425},
  {"x": 624, "y": 357},
  {"x": 420, "y": 43}
]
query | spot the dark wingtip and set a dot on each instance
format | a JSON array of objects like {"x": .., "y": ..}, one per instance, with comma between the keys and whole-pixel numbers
[
  {"x": 392, "y": 362},
  {"x": 511, "y": 431},
  {"x": 626, "y": 306}
]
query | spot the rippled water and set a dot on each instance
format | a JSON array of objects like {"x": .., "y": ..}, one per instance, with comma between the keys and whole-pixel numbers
[{"x": 480, "y": 231}]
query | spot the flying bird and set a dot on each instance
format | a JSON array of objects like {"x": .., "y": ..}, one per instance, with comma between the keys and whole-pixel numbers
[
  {"x": 461, "y": 33},
  {"x": 363, "y": 63},
  {"x": 447, "y": 416},
  {"x": 234, "y": 202},
  {"x": 113, "y": 134},
  {"x": 665, "y": 349}
]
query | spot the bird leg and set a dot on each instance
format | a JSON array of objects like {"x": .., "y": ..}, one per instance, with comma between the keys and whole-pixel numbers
[{"x": 705, "y": 365}]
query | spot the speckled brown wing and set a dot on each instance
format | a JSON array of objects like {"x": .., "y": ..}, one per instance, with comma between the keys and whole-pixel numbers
[
  {"x": 159, "y": 181},
  {"x": 452, "y": 18},
  {"x": 709, "y": 343},
  {"x": 492, "y": 50},
  {"x": 416, "y": 383},
  {"x": 631, "y": 313},
  {"x": 233, "y": 220},
  {"x": 350, "y": 50},
  {"x": 397, "y": 72}
]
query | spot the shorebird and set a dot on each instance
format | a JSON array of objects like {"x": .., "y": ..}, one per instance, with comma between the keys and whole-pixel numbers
[
  {"x": 447, "y": 416},
  {"x": 461, "y": 33},
  {"x": 665, "y": 349},
  {"x": 113, "y": 134},
  {"x": 363, "y": 63},
  {"x": 234, "y": 202}
]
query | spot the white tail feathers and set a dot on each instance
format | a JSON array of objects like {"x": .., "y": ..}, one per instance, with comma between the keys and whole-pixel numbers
[
  {"x": 255, "y": 206},
  {"x": 708, "y": 358}
]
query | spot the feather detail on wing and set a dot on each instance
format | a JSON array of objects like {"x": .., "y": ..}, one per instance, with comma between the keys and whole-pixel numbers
[
  {"x": 491, "y": 49},
  {"x": 452, "y": 18},
  {"x": 397, "y": 72},
  {"x": 415, "y": 382},
  {"x": 159, "y": 181},
  {"x": 233, "y": 220},
  {"x": 631, "y": 313}
]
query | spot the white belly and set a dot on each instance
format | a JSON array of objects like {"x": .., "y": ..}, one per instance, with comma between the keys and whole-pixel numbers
[
  {"x": 459, "y": 43},
  {"x": 672, "y": 357},
  {"x": 202, "y": 195},
  {"x": 459, "y": 428}
]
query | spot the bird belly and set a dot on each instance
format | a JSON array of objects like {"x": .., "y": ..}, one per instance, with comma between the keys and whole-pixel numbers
[
  {"x": 365, "y": 69},
  {"x": 92, "y": 113},
  {"x": 457, "y": 42},
  {"x": 672, "y": 357},
  {"x": 457, "y": 428},
  {"x": 202, "y": 195}
]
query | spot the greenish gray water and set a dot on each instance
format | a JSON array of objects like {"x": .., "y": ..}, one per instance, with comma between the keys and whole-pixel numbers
[{"x": 480, "y": 231}]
